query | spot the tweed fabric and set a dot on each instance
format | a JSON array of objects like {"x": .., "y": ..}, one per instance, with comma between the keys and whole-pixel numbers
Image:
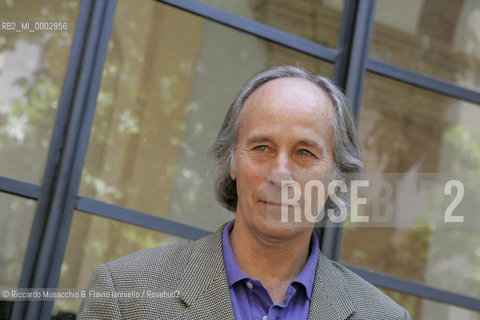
[{"x": 197, "y": 271}]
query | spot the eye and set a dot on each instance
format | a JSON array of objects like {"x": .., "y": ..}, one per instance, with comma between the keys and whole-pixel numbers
[
  {"x": 306, "y": 153},
  {"x": 261, "y": 148}
]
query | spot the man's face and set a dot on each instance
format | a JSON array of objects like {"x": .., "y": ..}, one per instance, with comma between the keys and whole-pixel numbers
[{"x": 285, "y": 133}]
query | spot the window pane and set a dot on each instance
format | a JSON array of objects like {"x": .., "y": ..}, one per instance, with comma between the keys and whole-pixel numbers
[
  {"x": 16, "y": 216},
  {"x": 169, "y": 78},
  {"x": 440, "y": 38},
  {"x": 423, "y": 309},
  {"x": 33, "y": 66},
  {"x": 410, "y": 131},
  {"x": 95, "y": 240},
  {"x": 315, "y": 20}
]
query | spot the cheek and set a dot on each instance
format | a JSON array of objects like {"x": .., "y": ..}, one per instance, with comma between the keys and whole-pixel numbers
[
  {"x": 249, "y": 177},
  {"x": 250, "y": 180}
]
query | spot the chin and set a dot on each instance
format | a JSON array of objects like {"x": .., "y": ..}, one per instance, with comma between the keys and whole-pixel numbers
[{"x": 274, "y": 227}]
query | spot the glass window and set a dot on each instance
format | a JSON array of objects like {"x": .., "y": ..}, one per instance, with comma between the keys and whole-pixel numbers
[
  {"x": 423, "y": 309},
  {"x": 439, "y": 38},
  {"x": 95, "y": 240},
  {"x": 169, "y": 78},
  {"x": 408, "y": 131},
  {"x": 33, "y": 66},
  {"x": 16, "y": 219},
  {"x": 315, "y": 20}
]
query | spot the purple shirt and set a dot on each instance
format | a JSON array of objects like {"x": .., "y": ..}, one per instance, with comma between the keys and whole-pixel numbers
[{"x": 250, "y": 299}]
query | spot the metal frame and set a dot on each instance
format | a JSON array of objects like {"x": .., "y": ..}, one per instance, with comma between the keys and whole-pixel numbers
[
  {"x": 417, "y": 289},
  {"x": 254, "y": 28},
  {"x": 422, "y": 81},
  {"x": 349, "y": 74},
  {"x": 48, "y": 238},
  {"x": 58, "y": 193},
  {"x": 359, "y": 54},
  {"x": 140, "y": 219},
  {"x": 19, "y": 188},
  {"x": 345, "y": 43}
]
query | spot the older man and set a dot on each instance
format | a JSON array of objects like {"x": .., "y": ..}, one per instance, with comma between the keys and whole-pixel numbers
[{"x": 284, "y": 125}]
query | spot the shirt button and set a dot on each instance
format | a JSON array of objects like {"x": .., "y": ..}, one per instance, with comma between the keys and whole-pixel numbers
[
  {"x": 249, "y": 286},
  {"x": 264, "y": 317}
]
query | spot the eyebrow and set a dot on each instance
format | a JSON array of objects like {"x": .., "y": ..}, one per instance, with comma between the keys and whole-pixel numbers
[
  {"x": 310, "y": 143},
  {"x": 257, "y": 139},
  {"x": 303, "y": 142}
]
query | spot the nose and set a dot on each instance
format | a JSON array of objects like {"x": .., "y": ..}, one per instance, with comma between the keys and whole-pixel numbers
[{"x": 281, "y": 170}]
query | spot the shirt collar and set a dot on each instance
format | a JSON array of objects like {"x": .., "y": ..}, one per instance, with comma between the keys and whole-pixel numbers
[{"x": 234, "y": 274}]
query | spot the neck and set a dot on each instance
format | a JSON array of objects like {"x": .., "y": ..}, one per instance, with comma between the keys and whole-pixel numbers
[{"x": 275, "y": 261}]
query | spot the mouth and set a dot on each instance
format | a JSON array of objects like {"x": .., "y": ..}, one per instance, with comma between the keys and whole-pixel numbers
[{"x": 276, "y": 204}]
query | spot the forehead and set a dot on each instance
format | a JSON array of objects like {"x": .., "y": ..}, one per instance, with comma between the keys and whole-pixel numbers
[
  {"x": 287, "y": 101},
  {"x": 291, "y": 91}
]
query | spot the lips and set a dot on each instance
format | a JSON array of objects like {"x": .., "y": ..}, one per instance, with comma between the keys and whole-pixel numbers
[{"x": 276, "y": 204}]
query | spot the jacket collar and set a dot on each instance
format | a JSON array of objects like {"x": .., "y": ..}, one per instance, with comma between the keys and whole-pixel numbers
[
  {"x": 329, "y": 298},
  {"x": 204, "y": 286}
]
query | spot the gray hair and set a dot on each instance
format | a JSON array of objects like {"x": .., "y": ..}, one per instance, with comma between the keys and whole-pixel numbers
[{"x": 347, "y": 158}]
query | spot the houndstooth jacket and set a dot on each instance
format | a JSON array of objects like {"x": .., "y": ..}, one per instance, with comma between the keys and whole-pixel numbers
[{"x": 190, "y": 282}]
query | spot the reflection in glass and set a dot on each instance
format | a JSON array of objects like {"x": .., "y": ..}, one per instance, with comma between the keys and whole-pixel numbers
[
  {"x": 315, "y": 20},
  {"x": 16, "y": 216},
  {"x": 408, "y": 130},
  {"x": 95, "y": 240},
  {"x": 440, "y": 38},
  {"x": 32, "y": 69},
  {"x": 169, "y": 78},
  {"x": 423, "y": 309}
]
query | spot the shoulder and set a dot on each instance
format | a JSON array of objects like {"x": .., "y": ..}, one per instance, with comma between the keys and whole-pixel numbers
[
  {"x": 366, "y": 298},
  {"x": 153, "y": 258},
  {"x": 153, "y": 277},
  {"x": 159, "y": 267}
]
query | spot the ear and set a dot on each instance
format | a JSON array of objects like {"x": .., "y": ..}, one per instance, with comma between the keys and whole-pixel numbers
[{"x": 233, "y": 175}]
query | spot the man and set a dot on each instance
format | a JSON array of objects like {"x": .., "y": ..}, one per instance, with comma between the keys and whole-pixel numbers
[{"x": 284, "y": 125}]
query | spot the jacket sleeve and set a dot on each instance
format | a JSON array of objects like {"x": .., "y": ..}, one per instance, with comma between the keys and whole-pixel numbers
[
  {"x": 407, "y": 316},
  {"x": 99, "y": 302}
]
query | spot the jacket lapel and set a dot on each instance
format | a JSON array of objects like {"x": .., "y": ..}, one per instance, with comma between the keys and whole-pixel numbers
[
  {"x": 329, "y": 298},
  {"x": 204, "y": 287}
]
